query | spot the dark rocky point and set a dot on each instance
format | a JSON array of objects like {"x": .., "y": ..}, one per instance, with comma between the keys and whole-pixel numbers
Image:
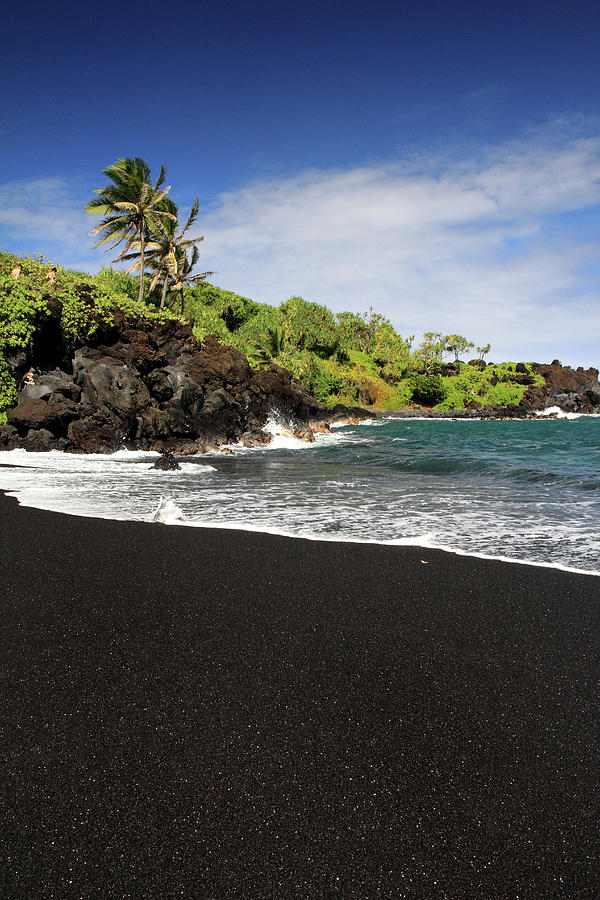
[{"x": 149, "y": 386}]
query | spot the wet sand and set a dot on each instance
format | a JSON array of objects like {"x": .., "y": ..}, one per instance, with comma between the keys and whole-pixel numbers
[{"x": 205, "y": 713}]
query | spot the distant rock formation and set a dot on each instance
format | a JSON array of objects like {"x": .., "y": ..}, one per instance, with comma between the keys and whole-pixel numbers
[
  {"x": 147, "y": 385},
  {"x": 573, "y": 390}
]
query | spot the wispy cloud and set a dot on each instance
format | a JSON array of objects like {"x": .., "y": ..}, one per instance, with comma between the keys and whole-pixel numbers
[
  {"x": 482, "y": 245},
  {"x": 46, "y": 215}
]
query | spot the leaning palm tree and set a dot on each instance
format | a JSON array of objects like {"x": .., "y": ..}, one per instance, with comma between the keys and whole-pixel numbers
[
  {"x": 181, "y": 272},
  {"x": 132, "y": 207},
  {"x": 166, "y": 245}
]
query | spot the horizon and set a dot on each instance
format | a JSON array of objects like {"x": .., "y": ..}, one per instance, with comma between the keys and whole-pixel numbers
[{"x": 441, "y": 165}]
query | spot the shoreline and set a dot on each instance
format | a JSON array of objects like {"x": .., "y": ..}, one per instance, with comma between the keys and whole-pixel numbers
[
  {"x": 235, "y": 714},
  {"x": 365, "y": 542},
  {"x": 481, "y": 415},
  {"x": 400, "y": 542}
]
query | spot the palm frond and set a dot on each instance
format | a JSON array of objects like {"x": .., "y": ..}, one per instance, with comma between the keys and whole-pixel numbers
[
  {"x": 155, "y": 280},
  {"x": 192, "y": 216},
  {"x": 190, "y": 242},
  {"x": 201, "y": 276},
  {"x": 161, "y": 178}
]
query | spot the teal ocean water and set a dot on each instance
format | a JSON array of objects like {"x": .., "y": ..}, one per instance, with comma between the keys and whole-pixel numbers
[{"x": 520, "y": 490}]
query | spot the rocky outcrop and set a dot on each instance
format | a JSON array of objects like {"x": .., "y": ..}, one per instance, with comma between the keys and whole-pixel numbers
[
  {"x": 166, "y": 462},
  {"x": 573, "y": 390},
  {"x": 144, "y": 385}
]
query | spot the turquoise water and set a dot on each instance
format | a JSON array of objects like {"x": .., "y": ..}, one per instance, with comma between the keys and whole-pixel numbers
[{"x": 522, "y": 490}]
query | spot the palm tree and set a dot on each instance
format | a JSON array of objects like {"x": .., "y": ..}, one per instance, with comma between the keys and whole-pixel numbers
[
  {"x": 181, "y": 271},
  {"x": 132, "y": 208},
  {"x": 167, "y": 243}
]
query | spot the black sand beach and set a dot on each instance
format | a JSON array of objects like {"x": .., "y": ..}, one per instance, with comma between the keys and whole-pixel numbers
[{"x": 212, "y": 714}]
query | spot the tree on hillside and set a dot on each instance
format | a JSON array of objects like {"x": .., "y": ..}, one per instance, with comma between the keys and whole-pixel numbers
[
  {"x": 352, "y": 331},
  {"x": 372, "y": 320},
  {"x": 431, "y": 349},
  {"x": 391, "y": 352},
  {"x": 457, "y": 344},
  {"x": 309, "y": 326},
  {"x": 181, "y": 271},
  {"x": 132, "y": 208},
  {"x": 483, "y": 351}
]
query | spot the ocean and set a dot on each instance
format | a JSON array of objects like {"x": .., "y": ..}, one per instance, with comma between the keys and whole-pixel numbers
[{"x": 526, "y": 491}]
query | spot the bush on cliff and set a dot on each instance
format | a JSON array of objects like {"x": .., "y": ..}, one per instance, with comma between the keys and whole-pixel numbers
[
  {"x": 427, "y": 390},
  {"x": 8, "y": 389},
  {"x": 498, "y": 384}
]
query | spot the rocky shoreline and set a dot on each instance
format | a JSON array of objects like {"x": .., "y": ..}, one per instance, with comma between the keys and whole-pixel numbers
[{"x": 150, "y": 385}]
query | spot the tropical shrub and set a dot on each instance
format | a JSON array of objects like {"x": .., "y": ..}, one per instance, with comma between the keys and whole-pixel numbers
[
  {"x": 315, "y": 374},
  {"x": 390, "y": 352},
  {"x": 309, "y": 326},
  {"x": 426, "y": 390},
  {"x": 234, "y": 309}
]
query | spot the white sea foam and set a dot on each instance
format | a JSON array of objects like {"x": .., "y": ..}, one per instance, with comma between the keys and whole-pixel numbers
[
  {"x": 282, "y": 438},
  {"x": 558, "y": 412},
  {"x": 129, "y": 454},
  {"x": 282, "y": 435},
  {"x": 167, "y": 512},
  {"x": 561, "y": 414},
  {"x": 203, "y": 469}
]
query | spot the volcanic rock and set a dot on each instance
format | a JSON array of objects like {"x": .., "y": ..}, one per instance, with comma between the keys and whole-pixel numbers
[
  {"x": 166, "y": 463},
  {"x": 573, "y": 390},
  {"x": 149, "y": 385}
]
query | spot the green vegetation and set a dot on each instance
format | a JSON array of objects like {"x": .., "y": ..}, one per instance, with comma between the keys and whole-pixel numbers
[
  {"x": 427, "y": 390},
  {"x": 343, "y": 358}
]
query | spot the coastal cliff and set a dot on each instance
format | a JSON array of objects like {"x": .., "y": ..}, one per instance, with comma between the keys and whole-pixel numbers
[{"x": 149, "y": 385}]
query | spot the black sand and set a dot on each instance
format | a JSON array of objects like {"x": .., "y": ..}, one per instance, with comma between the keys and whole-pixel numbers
[{"x": 212, "y": 714}]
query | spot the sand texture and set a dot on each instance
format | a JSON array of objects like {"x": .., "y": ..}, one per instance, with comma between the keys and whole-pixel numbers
[{"x": 212, "y": 714}]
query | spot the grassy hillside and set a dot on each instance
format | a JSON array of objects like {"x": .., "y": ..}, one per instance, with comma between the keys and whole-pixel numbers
[{"x": 343, "y": 358}]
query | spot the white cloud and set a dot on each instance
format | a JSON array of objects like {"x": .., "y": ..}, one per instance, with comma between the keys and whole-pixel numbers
[
  {"x": 46, "y": 215},
  {"x": 482, "y": 246}
]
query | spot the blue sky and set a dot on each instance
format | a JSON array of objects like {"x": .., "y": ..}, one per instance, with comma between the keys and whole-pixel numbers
[{"x": 439, "y": 162}]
